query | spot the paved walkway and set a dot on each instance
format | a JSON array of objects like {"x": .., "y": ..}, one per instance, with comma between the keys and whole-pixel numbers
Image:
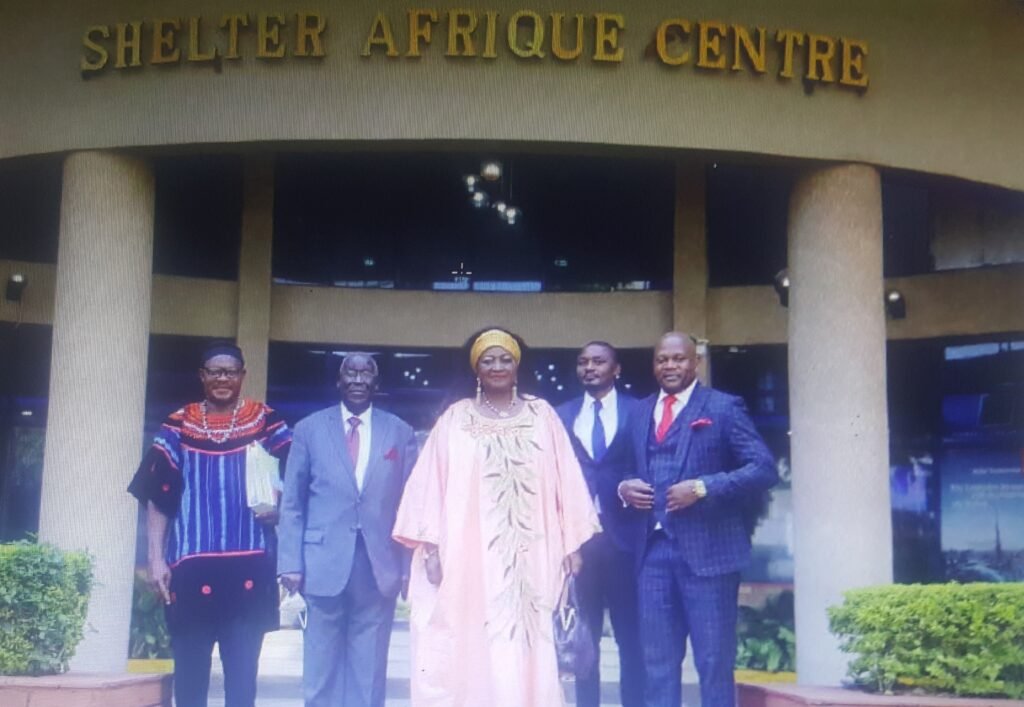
[{"x": 281, "y": 673}]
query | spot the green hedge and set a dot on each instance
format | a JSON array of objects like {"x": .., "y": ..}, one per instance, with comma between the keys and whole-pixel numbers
[
  {"x": 962, "y": 639},
  {"x": 44, "y": 595}
]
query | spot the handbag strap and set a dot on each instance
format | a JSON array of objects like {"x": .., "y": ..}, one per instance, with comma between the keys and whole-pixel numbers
[
  {"x": 563, "y": 595},
  {"x": 566, "y": 613}
]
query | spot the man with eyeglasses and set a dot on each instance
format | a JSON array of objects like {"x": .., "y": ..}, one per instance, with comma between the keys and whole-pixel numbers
[
  {"x": 344, "y": 481},
  {"x": 211, "y": 557}
]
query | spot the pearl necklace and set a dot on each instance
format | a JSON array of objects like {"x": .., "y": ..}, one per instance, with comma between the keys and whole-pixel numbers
[
  {"x": 500, "y": 413},
  {"x": 224, "y": 436}
]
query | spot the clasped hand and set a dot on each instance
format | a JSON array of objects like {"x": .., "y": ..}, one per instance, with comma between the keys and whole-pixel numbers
[{"x": 640, "y": 495}]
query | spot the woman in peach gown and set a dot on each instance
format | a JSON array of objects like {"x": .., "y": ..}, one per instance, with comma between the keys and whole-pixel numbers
[{"x": 495, "y": 510}]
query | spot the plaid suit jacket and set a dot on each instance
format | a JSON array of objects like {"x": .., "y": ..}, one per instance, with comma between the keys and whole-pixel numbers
[{"x": 717, "y": 443}]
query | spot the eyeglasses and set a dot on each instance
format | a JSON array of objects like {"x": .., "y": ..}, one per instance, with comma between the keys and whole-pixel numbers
[{"x": 230, "y": 374}]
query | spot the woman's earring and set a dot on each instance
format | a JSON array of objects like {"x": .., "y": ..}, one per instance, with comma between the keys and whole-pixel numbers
[
  {"x": 479, "y": 392},
  {"x": 515, "y": 392}
]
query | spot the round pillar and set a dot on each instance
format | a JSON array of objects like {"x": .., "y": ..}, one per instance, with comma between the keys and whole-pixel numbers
[
  {"x": 98, "y": 386},
  {"x": 838, "y": 409}
]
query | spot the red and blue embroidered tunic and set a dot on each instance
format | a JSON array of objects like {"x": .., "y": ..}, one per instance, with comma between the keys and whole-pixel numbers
[{"x": 194, "y": 473}]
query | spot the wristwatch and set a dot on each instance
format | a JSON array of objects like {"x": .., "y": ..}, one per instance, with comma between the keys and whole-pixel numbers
[{"x": 699, "y": 489}]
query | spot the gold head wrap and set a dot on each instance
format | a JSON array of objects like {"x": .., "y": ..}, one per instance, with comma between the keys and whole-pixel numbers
[{"x": 493, "y": 337}]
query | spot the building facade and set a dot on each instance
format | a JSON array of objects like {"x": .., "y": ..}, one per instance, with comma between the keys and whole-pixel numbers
[{"x": 844, "y": 105}]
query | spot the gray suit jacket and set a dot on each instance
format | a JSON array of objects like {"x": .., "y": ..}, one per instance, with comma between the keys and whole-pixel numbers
[{"x": 323, "y": 509}]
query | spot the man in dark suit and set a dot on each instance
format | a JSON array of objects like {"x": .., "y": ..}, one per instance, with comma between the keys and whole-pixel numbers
[
  {"x": 343, "y": 482},
  {"x": 700, "y": 466},
  {"x": 598, "y": 425}
]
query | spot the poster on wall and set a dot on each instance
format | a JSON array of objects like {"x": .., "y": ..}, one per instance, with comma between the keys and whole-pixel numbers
[{"x": 983, "y": 514}]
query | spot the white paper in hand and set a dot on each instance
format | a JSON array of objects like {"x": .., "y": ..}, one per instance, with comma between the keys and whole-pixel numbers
[{"x": 261, "y": 478}]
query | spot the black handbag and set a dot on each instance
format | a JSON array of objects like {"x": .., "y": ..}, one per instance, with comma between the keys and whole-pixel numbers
[{"x": 574, "y": 641}]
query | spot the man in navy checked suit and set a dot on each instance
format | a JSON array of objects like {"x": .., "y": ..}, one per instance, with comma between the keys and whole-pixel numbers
[
  {"x": 598, "y": 425},
  {"x": 700, "y": 466}
]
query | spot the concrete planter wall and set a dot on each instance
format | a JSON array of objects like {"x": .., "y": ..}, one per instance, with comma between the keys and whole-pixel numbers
[
  {"x": 84, "y": 690},
  {"x": 751, "y": 695}
]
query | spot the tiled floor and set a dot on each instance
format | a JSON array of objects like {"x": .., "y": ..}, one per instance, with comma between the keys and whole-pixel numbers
[{"x": 281, "y": 673}]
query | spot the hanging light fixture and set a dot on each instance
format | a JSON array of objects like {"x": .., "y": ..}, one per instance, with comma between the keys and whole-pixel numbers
[
  {"x": 491, "y": 170},
  {"x": 482, "y": 194}
]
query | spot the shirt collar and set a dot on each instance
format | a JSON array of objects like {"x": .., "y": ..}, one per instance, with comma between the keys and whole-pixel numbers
[
  {"x": 364, "y": 418},
  {"x": 609, "y": 400},
  {"x": 682, "y": 396}
]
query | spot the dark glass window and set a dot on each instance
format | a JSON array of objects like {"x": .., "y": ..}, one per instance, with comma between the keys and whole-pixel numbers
[
  {"x": 24, "y": 390},
  {"x": 198, "y": 226},
  {"x": 405, "y": 221},
  {"x": 906, "y": 225},
  {"x": 759, "y": 375},
  {"x": 417, "y": 384},
  {"x": 747, "y": 218},
  {"x": 30, "y": 190}
]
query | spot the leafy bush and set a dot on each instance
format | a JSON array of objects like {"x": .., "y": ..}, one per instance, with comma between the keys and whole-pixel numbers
[
  {"x": 44, "y": 596},
  {"x": 766, "y": 639},
  {"x": 943, "y": 638},
  {"x": 149, "y": 637}
]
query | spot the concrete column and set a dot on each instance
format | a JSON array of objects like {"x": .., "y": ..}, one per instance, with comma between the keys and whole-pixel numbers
[
  {"x": 690, "y": 252},
  {"x": 98, "y": 386},
  {"x": 690, "y": 256},
  {"x": 254, "y": 272},
  {"x": 838, "y": 413}
]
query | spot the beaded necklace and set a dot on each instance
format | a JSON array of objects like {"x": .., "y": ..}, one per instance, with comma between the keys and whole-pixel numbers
[
  {"x": 226, "y": 435},
  {"x": 500, "y": 413}
]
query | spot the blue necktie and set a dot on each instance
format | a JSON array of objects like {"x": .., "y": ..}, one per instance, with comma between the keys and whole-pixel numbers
[{"x": 597, "y": 442}]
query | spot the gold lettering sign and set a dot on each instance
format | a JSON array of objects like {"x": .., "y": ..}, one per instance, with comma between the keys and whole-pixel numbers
[{"x": 711, "y": 45}]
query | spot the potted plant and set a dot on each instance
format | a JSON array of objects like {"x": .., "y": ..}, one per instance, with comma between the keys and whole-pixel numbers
[
  {"x": 149, "y": 649},
  {"x": 766, "y": 642}
]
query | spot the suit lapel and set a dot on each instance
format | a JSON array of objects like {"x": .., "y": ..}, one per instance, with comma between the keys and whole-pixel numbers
[
  {"x": 335, "y": 432},
  {"x": 378, "y": 439},
  {"x": 691, "y": 412},
  {"x": 646, "y": 410},
  {"x": 623, "y": 412},
  {"x": 569, "y": 413}
]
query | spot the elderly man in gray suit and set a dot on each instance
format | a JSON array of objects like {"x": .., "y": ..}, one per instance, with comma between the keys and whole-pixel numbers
[{"x": 344, "y": 479}]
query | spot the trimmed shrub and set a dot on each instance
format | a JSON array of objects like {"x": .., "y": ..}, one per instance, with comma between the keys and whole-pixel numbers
[
  {"x": 961, "y": 639},
  {"x": 44, "y": 595}
]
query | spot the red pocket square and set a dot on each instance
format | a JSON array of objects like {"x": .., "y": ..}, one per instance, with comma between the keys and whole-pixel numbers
[
  {"x": 700, "y": 422},
  {"x": 391, "y": 455}
]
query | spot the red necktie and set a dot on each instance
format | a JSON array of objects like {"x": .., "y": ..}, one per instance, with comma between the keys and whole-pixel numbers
[
  {"x": 666, "y": 418},
  {"x": 353, "y": 439}
]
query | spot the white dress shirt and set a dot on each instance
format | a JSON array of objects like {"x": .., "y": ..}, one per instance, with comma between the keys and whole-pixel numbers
[
  {"x": 365, "y": 430},
  {"x": 682, "y": 398},
  {"x": 583, "y": 428}
]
